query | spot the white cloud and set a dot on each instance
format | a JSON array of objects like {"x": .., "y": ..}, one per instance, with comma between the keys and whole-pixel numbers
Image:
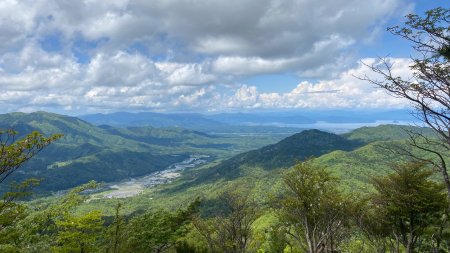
[
  {"x": 120, "y": 69},
  {"x": 266, "y": 29},
  {"x": 178, "y": 54},
  {"x": 185, "y": 74},
  {"x": 33, "y": 69},
  {"x": 124, "y": 81},
  {"x": 250, "y": 65},
  {"x": 41, "y": 80},
  {"x": 346, "y": 91},
  {"x": 16, "y": 22}
]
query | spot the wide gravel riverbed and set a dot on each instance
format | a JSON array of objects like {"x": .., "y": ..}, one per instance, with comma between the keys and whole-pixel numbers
[{"x": 135, "y": 186}]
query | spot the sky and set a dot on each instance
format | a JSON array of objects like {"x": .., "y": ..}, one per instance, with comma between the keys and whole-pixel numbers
[{"x": 90, "y": 56}]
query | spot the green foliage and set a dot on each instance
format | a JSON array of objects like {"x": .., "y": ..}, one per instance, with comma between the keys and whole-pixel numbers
[
  {"x": 79, "y": 233},
  {"x": 408, "y": 203},
  {"x": 230, "y": 231},
  {"x": 14, "y": 153},
  {"x": 386, "y": 133},
  {"x": 315, "y": 211},
  {"x": 38, "y": 229},
  {"x": 277, "y": 239},
  {"x": 12, "y": 212},
  {"x": 185, "y": 247},
  {"x": 115, "y": 234},
  {"x": 103, "y": 153},
  {"x": 154, "y": 232},
  {"x": 158, "y": 231}
]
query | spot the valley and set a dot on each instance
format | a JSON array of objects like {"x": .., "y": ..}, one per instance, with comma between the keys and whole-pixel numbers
[
  {"x": 129, "y": 158},
  {"x": 109, "y": 154},
  {"x": 199, "y": 126},
  {"x": 134, "y": 186},
  {"x": 145, "y": 169}
]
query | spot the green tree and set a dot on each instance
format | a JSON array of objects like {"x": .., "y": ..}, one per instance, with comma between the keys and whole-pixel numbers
[
  {"x": 158, "y": 231},
  {"x": 39, "y": 230},
  {"x": 116, "y": 232},
  {"x": 373, "y": 233},
  {"x": 231, "y": 230},
  {"x": 11, "y": 213},
  {"x": 315, "y": 211},
  {"x": 276, "y": 241},
  {"x": 428, "y": 88},
  {"x": 407, "y": 203},
  {"x": 79, "y": 233},
  {"x": 13, "y": 153}
]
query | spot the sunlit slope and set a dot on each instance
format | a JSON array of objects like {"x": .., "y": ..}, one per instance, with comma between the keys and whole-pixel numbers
[
  {"x": 355, "y": 157},
  {"x": 104, "y": 153},
  {"x": 298, "y": 147},
  {"x": 354, "y": 161}
]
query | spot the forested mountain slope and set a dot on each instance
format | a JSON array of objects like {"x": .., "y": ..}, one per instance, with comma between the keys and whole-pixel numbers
[
  {"x": 104, "y": 153},
  {"x": 298, "y": 147},
  {"x": 357, "y": 146},
  {"x": 387, "y": 133},
  {"x": 350, "y": 157}
]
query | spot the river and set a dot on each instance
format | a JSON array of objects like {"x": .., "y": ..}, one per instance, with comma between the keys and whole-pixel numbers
[{"x": 134, "y": 186}]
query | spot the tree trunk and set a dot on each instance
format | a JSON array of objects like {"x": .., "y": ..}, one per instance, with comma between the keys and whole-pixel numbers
[{"x": 446, "y": 181}]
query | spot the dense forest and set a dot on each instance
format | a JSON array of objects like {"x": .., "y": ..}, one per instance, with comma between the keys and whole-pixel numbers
[{"x": 373, "y": 189}]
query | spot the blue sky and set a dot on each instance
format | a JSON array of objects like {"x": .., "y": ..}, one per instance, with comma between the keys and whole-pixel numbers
[{"x": 77, "y": 57}]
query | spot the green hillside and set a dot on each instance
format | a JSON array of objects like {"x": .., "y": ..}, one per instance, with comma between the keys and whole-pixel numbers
[
  {"x": 84, "y": 153},
  {"x": 386, "y": 133},
  {"x": 75, "y": 131},
  {"x": 88, "y": 152},
  {"x": 284, "y": 154},
  {"x": 259, "y": 170},
  {"x": 109, "y": 154}
]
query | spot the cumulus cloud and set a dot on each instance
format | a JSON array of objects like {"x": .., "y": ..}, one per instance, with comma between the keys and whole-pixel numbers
[
  {"x": 270, "y": 29},
  {"x": 346, "y": 91},
  {"x": 16, "y": 25},
  {"x": 176, "y": 54},
  {"x": 116, "y": 81},
  {"x": 185, "y": 74},
  {"x": 142, "y": 85}
]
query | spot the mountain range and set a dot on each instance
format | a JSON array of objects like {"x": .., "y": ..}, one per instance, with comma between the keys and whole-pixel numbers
[
  {"x": 260, "y": 121},
  {"x": 108, "y": 153}
]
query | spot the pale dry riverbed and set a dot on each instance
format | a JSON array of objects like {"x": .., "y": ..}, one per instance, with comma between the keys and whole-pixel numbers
[{"x": 135, "y": 186}]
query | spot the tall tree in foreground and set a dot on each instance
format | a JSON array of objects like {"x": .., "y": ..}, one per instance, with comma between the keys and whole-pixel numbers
[
  {"x": 316, "y": 212},
  {"x": 409, "y": 205},
  {"x": 13, "y": 153},
  {"x": 429, "y": 88},
  {"x": 115, "y": 235}
]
